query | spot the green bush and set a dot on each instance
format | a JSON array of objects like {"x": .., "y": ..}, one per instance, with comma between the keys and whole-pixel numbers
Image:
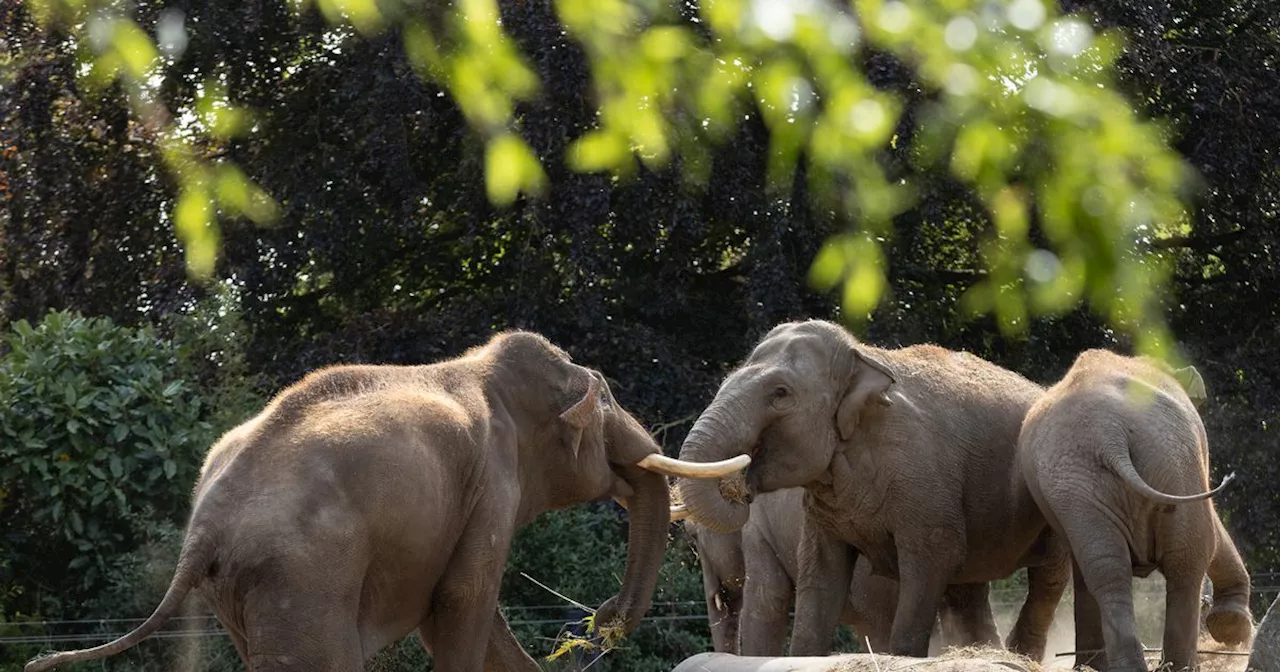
[{"x": 98, "y": 425}]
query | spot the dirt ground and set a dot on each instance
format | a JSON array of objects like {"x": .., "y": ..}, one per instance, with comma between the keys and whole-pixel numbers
[{"x": 1148, "y": 598}]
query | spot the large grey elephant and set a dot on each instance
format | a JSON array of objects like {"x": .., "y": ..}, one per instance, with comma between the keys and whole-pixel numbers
[
  {"x": 749, "y": 577},
  {"x": 1117, "y": 458},
  {"x": 366, "y": 502},
  {"x": 907, "y": 458}
]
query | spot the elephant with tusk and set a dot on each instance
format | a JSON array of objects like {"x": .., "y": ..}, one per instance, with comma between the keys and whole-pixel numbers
[
  {"x": 906, "y": 455},
  {"x": 366, "y": 502}
]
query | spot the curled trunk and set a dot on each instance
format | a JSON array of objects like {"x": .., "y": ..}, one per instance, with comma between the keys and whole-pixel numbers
[{"x": 712, "y": 440}]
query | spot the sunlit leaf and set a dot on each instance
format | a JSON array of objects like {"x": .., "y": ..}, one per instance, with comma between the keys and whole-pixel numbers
[
  {"x": 598, "y": 151},
  {"x": 241, "y": 196},
  {"x": 193, "y": 218},
  {"x": 136, "y": 49},
  {"x": 828, "y": 266},
  {"x": 511, "y": 168}
]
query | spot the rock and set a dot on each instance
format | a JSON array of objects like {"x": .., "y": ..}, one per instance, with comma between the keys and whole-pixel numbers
[{"x": 1266, "y": 642}]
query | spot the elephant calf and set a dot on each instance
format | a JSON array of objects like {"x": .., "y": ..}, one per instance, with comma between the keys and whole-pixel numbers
[
  {"x": 1101, "y": 451},
  {"x": 749, "y": 580},
  {"x": 366, "y": 502}
]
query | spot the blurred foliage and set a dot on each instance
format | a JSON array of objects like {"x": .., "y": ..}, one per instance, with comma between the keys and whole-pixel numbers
[
  {"x": 386, "y": 246},
  {"x": 1019, "y": 105}
]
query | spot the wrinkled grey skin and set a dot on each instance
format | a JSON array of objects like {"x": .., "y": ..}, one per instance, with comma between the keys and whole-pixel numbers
[
  {"x": 1117, "y": 458},
  {"x": 366, "y": 502},
  {"x": 749, "y": 577},
  {"x": 906, "y": 455},
  {"x": 1266, "y": 642}
]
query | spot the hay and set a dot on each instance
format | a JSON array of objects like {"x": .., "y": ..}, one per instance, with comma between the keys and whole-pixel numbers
[
  {"x": 992, "y": 654},
  {"x": 870, "y": 662},
  {"x": 604, "y": 640},
  {"x": 734, "y": 488}
]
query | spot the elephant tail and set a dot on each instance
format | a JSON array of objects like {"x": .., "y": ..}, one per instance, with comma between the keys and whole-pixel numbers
[
  {"x": 193, "y": 564},
  {"x": 1121, "y": 462}
]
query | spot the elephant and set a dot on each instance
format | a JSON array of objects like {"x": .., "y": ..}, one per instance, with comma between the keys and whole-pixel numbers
[
  {"x": 1117, "y": 458},
  {"x": 907, "y": 458},
  {"x": 749, "y": 581},
  {"x": 367, "y": 501}
]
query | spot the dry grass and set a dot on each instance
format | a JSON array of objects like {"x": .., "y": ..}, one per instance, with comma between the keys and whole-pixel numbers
[
  {"x": 966, "y": 659},
  {"x": 734, "y": 488},
  {"x": 991, "y": 653}
]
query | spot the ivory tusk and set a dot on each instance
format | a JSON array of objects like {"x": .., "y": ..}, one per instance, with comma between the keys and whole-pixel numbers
[
  {"x": 672, "y": 467},
  {"x": 679, "y": 512}
]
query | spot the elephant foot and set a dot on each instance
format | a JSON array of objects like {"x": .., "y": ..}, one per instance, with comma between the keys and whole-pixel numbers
[
  {"x": 1030, "y": 646},
  {"x": 1230, "y": 624}
]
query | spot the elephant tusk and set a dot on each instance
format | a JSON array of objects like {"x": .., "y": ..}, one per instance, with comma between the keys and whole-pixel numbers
[{"x": 662, "y": 464}]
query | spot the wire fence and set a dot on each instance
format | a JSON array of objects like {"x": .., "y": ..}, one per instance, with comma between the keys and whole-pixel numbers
[{"x": 205, "y": 625}]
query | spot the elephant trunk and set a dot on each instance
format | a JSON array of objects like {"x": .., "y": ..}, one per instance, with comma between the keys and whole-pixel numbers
[
  {"x": 648, "y": 513},
  {"x": 1229, "y": 620},
  {"x": 724, "y": 606},
  {"x": 719, "y": 433}
]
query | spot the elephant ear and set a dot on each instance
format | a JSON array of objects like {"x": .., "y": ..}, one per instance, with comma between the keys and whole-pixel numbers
[
  {"x": 575, "y": 421},
  {"x": 1191, "y": 381},
  {"x": 869, "y": 384}
]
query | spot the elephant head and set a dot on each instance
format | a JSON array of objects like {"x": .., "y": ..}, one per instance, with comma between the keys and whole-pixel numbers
[
  {"x": 593, "y": 448},
  {"x": 801, "y": 392}
]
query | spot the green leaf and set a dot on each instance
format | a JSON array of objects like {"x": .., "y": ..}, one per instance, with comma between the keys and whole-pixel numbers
[
  {"x": 828, "y": 266},
  {"x": 117, "y": 467},
  {"x": 193, "y": 218},
  {"x": 170, "y": 468},
  {"x": 511, "y": 168},
  {"x": 95, "y": 470},
  {"x": 136, "y": 50}
]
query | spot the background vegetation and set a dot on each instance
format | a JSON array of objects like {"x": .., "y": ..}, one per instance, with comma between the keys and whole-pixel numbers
[{"x": 387, "y": 242}]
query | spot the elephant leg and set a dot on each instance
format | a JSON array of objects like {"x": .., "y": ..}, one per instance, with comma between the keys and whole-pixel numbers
[
  {"x": 967, "y": 617},
  {"x": 466, "y": 597},
  {"x": 822, "y": 589},
  {"x": 925, "y": 566},
  {"x": 1045, "y": 585},
  {"x": 1229, "y": 620},
  {"x": 504, "y": 651},
  {"x": 1181, "y": 621},
  {"x": 1090, "y": 646},
  {"x": 1103, "y": 558},
  {"x": 872, "y": 601},
  {"x": 766, "y": 599}
]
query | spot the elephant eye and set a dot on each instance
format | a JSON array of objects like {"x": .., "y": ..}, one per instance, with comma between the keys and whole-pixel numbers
[{"x": 779, "y": 392}]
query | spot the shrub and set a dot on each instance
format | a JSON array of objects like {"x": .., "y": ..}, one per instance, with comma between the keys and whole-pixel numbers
[{"x": 98, "y": 424}]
